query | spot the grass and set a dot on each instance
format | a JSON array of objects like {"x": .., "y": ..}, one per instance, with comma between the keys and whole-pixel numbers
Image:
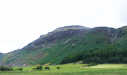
[{"x": 75, "y": 69}]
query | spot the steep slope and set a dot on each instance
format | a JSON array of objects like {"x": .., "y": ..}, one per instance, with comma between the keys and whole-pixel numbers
[
  {"x": 70, "y": 44},
  {"x": 47, "y": 47}
]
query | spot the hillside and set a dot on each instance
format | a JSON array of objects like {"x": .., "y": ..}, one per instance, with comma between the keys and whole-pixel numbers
[
  {"x": 71, "y": 44},
  {"x": 1, "y": 56}
]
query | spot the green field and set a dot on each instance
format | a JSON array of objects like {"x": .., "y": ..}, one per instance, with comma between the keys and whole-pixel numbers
[{"x": 75, "y": 69}]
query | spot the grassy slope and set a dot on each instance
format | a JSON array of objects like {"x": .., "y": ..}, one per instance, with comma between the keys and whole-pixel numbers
[{"x": 60, "y": 50}]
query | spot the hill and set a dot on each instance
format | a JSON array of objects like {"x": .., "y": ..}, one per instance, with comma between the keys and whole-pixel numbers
[
  {"x": 1, "y": 56},
  {"x": 71, "y": 44}
]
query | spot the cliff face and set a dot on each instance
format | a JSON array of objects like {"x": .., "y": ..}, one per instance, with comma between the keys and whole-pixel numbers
[{"x": 66, "y": 42}]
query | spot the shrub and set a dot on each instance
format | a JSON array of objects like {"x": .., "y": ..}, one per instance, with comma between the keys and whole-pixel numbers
[
  {"x": 6, "y": 68},
  {"x": 47, "y": 68},
  {"x": 20, "y": 69},
  {"x": 57, "y": 67},
  {"x": 38, "y": 67}
]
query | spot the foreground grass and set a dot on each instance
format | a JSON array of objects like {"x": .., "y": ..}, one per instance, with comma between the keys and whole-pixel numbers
[{"x": 75, "y": 69}]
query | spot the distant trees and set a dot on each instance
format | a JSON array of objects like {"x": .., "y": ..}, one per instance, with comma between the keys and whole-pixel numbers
[
  {"x": 6, "y": 68},
  {"x": 105, "y": 55},
  {"x": 38, "y": 67},
  {"x": 109, "y": 54}
]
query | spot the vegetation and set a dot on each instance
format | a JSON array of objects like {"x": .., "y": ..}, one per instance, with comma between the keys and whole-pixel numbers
[
  {"x": 74, "y": 69},
  {"x": 47, "y": 68},
  {"x": 57, "y": 67},
  {"x": 110, "y": 54},
  {"x": 69, "y": 45},
  {"x": 6, "y": 68}
]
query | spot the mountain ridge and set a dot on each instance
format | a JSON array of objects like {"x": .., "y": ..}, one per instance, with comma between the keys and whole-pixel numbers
[{"x": 68, "y": 44}]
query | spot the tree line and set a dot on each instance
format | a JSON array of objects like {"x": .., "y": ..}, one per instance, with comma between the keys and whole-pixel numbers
[{"x": 110, "y": 54}]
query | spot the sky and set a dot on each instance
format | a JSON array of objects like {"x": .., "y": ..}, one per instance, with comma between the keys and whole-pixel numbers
[{"x": 22, "y": 21}]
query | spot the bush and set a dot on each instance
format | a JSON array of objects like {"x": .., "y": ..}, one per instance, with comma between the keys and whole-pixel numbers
[
  {"x": 38, "y": 67},
  {"x": 19, "y": 69},
  {"x": 57, "y": 67},
  {"x": 6, "y": 68},
  {"x": 47, "y": 68}
]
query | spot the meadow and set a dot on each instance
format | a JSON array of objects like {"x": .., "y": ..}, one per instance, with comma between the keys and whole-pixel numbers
[{"x": 73, "y": 69}]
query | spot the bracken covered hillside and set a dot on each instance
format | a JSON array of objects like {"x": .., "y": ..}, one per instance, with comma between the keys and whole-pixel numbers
[{"x": 71, "y": 44}]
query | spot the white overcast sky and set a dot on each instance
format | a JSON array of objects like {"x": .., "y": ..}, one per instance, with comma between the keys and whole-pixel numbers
[{"x": 22, "y": 21}]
